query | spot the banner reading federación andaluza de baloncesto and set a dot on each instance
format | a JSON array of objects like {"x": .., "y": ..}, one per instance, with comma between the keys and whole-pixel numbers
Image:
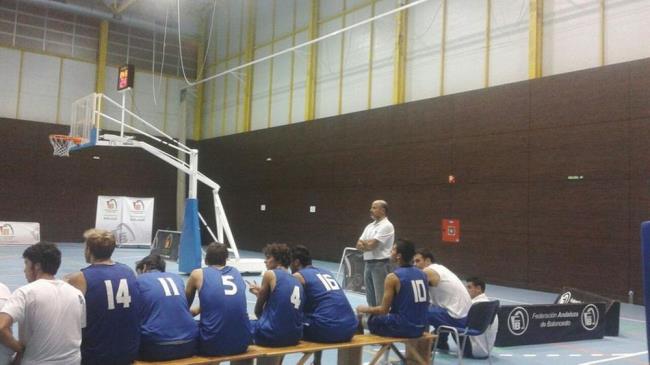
[{"x": 130, "y": 219}]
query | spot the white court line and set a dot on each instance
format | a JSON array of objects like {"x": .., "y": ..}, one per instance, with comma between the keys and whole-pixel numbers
[
  {"x": 632, "y": 319},
  {"x": 614, "y": 358},
  {"x": 552, "y": 355},
  {"x": 512, "y": 301},
  {"x": 506, "y": 355},
  {"x": 530, "y": 355}
]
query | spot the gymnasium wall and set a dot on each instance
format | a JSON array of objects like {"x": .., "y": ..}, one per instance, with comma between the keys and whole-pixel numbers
[
  {"x": 511, "y": 148},
  {"x": 452, "y": 46},
  {"x": 61, "y": 193}
]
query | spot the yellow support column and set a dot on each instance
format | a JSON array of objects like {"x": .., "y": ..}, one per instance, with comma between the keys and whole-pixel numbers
[
  {"x": 310, "y": 97},
  {"x": 443, "y": 45},
  {"x": 488, "y": 35},
  {"x": 399, "y": 73},
  {"x": 293, "y": 60},
  {"x": 100, "y": 74},
  {"x": 249, "y": 55},
  {"x": 371, "y": 54},
  {"x": 602, "y": 32},
  {"x": 535, "y": 31},
  {"x": 198, "y": 103}
]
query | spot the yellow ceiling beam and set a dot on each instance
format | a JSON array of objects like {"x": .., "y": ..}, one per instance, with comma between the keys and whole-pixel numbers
[
  {"x": 535, "y": 40},
  {"x": 399, "y": 72},
  {"x": 312, "y": 59}
]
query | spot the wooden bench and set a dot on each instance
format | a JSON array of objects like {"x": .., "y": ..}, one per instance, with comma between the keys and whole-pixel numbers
[{"x": 418, "y": 351}]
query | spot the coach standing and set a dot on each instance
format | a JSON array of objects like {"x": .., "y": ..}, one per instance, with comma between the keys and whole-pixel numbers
[{"x": 376, "y": 242}]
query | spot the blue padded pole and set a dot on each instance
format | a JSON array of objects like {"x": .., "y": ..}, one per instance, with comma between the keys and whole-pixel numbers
[
  {"x": 645, "y": 254},
  {"x": 189, "y": 253}
]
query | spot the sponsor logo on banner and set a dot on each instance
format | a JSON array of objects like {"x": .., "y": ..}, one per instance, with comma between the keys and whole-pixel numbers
[
  {"x": 111, "y": 211},
  {"x": 168, "y": 241},
  {"x": 111, "y": 204},
  {"x": 567, "y": 298},
  {"x": 136, "y": 211},
  {"x": 518, "y": 321},
  {"x": 7, "y": 232},
  {"x": 138, "y": 205},
  {"x": 589, "y": 317}
]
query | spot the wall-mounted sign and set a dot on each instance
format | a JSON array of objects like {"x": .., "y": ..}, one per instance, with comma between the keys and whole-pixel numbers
[{"x": 450, "y": 230}]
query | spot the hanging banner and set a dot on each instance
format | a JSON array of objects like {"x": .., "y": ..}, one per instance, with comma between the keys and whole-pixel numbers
[
  {"x": 19, "y": 233},
  {"x": 166, "y": 244},
  {"x": 130, "y": 219}
]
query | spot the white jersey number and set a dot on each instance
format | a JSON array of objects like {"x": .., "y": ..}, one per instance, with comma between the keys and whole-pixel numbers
[
  {"x": 227, "y": 281},
  {"x": 295, "y": 297},
  {"x": 328, "y": 282},
  {"x": 171, "y": 288},
  {"x": 419, "y": 291},
  {"x": 121, "y": 297}
]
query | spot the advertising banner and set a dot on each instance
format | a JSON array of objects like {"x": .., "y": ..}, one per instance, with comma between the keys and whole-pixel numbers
[
  {"x": 130, "y": 219},
  {"x": 546, "y": 323},
  {"x": 166, "y": 243},
  {"x": 19, "y": 233}
]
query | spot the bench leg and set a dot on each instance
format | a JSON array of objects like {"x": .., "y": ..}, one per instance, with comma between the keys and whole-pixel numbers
[
  {"x": 304, "y": 358},
  {"x": 272, "y": 360},
  {"x": 351, "y": 356},
  {"x": 379, "y": 354},
  {"x": 418, "y": 351}
]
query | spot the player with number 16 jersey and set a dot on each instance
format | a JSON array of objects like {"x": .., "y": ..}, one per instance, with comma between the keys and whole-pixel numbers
[{"x": 112, "y": 333}]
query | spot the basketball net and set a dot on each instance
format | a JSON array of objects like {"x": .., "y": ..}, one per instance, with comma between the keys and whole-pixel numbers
[{"x": 62, "y": 144}]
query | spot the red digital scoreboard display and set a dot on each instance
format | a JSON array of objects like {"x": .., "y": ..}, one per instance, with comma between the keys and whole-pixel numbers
[{"x": 125, "y": 76}]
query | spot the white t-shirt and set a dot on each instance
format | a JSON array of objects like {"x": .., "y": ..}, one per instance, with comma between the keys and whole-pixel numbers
[
  {"x": 450, "y": 293},
  {"x": 481, "y": 344},
  {"x": 50, "y": 316},
  {"x": 5, "y": 352},
  {"x": 383, "y": 232}
]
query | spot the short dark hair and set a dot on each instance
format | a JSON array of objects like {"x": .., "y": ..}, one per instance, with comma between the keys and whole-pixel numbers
[
  {"x": 100, "y": 243},
  {"x": 46, "y": 254},
  {"x": 216, "y": 254},
  {"x": 280, "y": 252},
  {"x": 426, "y": 253},
  {"x": 476, "y": 282},
  {"x": 153, "y": 262},
  {"x": 301, "y": 253},
  {"x": 406, "y": 248}
]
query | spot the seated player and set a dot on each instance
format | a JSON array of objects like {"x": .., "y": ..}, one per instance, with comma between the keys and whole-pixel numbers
[
  {"x": 478, "y": 346},
  {"x": 112, "y": 333},
  {"x": 168, "y": 330},
  {"x": 5, "y": 352},
  {"x": 328, "y": 316},
  {"x": 403, "y": 310},
  {"x": 279, "y": 303},
  {"x": 450, "y": 302},
  {"x": 224, "y": 328},
  {"x": 50, "y": 313}
]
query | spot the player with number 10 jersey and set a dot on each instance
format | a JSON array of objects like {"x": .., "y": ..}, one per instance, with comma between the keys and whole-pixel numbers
[
  {"x": 224, "y": 328},
  {"x": 112, "y": 333}
]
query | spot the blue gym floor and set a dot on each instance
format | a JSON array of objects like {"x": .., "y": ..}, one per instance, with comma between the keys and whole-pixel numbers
[{"x": 628, "y": 348}]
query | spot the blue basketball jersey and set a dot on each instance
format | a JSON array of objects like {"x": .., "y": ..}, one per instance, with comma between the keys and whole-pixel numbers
[
  {"x": 281, "y": 320},
  {"x": 165, "y": 314},
  {"x": 112, "y": 333},
  {"x": 328, "y": 314},
  {"x": 412, "y": 302},
  {"x": 224, "y": 327}
]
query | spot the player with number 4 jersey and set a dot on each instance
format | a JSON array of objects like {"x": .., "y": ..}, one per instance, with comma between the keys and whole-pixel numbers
[
  {"x": 279, "y": 301},
  {"x": 328, "y": 316},
  {"x": 403, "y": 311},
  {"x": 112, "y": 333},
  {"x": 224, "y": 328}
]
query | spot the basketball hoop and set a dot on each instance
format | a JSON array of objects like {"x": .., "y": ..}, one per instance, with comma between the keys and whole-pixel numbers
[{"x": 62, "y": 144}]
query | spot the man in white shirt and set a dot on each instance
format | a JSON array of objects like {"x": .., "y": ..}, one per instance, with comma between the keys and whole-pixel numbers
[
  {"x": 450, "y": 302},
  {"x": 50, "y": 313},
  {"x": 5, "y": 352},
  {"x": 479, "y": 346},
  {"x": 376, "y": 242}
]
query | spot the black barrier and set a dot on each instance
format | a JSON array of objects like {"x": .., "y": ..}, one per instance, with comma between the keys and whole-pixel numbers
[
  {"x": 612, "y": 307},
  {"x": 166, "y": 243},
  {"x": 547, "y": 323}
]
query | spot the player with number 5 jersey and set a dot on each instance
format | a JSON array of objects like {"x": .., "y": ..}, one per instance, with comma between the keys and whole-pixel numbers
[
  {"x": 224, "y": 328},
  {"x": 328, "y": 316},
  {"x": 112, "y": 333},
  {"x": 403, "y": 311},
  {"x": 279, "y": 301}
]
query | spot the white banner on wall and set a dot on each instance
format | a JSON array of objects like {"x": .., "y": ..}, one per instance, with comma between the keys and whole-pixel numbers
[
  {"x": 130, "y": 219},
  {"x": 20, "y": 233}
]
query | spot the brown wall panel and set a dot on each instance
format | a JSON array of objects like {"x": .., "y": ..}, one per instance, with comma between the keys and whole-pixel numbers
[
  {"x": 639, "y": 147},
  {"x": 595, "y": 151},
  {"x": 491, "y": 158},
  {"x": 589, "y": 96},
  {"x": 640, "y": 89}
]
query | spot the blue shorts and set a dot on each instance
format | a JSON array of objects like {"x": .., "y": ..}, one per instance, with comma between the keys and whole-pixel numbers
[
  {"x": 167, "y": 351},
  {"x": 314, "y": 330},
  {"x": 391, "y": 325}
]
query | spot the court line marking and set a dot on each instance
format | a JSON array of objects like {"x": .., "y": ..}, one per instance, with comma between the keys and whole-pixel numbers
[
  {"x": 614, "y": 358},
  {"x": 632, "y": 319}
]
